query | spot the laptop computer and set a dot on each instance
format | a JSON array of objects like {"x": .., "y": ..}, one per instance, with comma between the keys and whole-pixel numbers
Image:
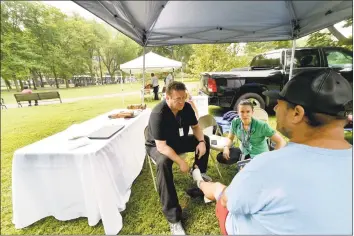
[{"x": 105, "y": 132}]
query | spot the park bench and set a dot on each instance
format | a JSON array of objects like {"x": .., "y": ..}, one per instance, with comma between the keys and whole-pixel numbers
[
  {"x": 36, "y": 96},
  {"x": 2, "y": 104}
]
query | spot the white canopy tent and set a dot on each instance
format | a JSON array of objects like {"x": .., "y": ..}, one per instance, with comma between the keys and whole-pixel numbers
[
  {"x": 153, "y": 62},
  {"x": 158, "y": 23},
  {"x": 149, "y": 62}
]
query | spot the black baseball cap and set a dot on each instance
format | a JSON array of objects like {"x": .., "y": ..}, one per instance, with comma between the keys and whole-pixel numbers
[{"x": 319, "y": 90}]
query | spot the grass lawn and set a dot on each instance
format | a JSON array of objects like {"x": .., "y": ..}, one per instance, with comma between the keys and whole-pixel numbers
[
  {"x": 143, "y": 215},
  {"x": 9, "y": 98},
  {"x": 21, "y": 127}
]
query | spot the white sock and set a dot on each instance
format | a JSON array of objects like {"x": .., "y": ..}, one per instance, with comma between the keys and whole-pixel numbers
[{"x": 197, "y": 177}]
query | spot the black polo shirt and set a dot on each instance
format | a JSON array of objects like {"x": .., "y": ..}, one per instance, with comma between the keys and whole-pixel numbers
[{"x": 164, "y": 125}]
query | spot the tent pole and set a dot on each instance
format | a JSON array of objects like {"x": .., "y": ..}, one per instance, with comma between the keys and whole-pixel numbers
[
  {"x": 182, "y": 72},
  {"x": 121, "y": 85},
  {"x": 182, "y": 69},
  {"x": 292, "y": 59},
  {"x": 143, "y": 90}
]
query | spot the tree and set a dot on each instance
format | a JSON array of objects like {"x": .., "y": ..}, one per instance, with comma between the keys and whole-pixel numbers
[
  {"x": 215, "y": 57},
  {"x": 319, "y": 39},
  {"x": 254, "y": 48},
  {"x": 17, "y": 55},
  {"x": 344, "y": 41},
  {"x": 117, "y": 51},
  {"x": 331, "y": 37}
]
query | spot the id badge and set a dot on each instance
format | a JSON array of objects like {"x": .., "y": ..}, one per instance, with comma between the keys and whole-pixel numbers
[{"x": 180, "y": 132}]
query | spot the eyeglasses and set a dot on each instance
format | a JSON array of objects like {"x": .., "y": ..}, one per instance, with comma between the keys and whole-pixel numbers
[{"x": 180, "y": 99}]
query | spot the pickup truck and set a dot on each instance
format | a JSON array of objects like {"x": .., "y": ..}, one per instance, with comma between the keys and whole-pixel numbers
[{"x": 270, "y": 71}]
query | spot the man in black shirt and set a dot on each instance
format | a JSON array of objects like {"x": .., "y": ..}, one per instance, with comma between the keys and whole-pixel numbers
[{"x": 167, "y": 137}]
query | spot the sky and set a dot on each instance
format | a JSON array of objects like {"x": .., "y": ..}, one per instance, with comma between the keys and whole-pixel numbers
[{"x": 69, "y": 7}]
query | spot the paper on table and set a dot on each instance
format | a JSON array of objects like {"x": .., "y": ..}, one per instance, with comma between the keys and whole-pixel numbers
[
  {"x": 79, "y": 142},
  {"x": 75, "y": 131}
]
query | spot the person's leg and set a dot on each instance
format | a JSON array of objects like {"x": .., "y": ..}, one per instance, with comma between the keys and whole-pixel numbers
[
  {"x": 29, "y": 103},
  {"x": 221, "y": 213},
  {"x": 189, "y": 144},
  {"x": 213, "y": 191},
  {"x": 36, "y": 102},
  {"x": 166, "y": 188},
  {"x": 235, "y": 156},
  {"x": 156, "y": 91}
]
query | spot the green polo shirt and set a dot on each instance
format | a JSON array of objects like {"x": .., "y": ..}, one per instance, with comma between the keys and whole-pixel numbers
[{"x": 260, "y": 130}]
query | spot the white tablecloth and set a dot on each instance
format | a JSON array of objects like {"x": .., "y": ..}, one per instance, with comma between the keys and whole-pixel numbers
[{"x": 50, "y": 178}]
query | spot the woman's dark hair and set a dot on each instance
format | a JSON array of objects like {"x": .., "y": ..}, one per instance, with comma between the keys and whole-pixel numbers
[
  {"x": 25, "y": 87},
  {"x": 246, "y": 102},
  {"x": 152, "y": 74}
]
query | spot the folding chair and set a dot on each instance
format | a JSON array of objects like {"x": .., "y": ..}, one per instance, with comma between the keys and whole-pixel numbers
[
  {"x": 209, "y": 121},
  {"x": 262, "y": 115}
]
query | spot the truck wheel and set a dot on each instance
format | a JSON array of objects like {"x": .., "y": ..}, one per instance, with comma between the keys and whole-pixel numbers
[{"x": 256, "y": 99}]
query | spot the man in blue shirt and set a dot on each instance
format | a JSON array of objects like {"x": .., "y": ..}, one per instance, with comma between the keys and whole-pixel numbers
[{"x": 305, "y": 187}]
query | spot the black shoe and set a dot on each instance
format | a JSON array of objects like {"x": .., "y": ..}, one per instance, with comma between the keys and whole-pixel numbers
[{"x": 195, "y": 192}]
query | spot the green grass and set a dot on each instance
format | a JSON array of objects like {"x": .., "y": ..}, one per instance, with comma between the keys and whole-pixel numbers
[
  {"x": 21, "y": 127},
  {"x": 96, "y": 90},
  {"x": 143, "y": 215},
  {"x": 79, "y": 91}
]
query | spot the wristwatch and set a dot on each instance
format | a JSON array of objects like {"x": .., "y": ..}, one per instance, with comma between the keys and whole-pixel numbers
[{"x": 201, "y": 141}]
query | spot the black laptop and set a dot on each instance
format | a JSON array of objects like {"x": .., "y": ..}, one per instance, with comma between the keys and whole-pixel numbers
[{"x": 105, "y": 132}]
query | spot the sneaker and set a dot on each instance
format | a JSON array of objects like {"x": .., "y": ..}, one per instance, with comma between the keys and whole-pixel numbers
[
  {"x": 205, "y": 177},
  {"x": 177, "y": 228},
  {"x": 194, "y": 192}
]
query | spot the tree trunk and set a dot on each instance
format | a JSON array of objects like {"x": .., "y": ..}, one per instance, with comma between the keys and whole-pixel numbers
[
  {"x": 99, "y": 62},
  {"x": 112, "y": 75},
  {"x": 17, "y": 87},
  {"x": 56, "y": 79},
  {"x": 8, "y": 84},
  {"x": 91, "y": 71},
  {"x": 21, "y": 84},
  {"x": 66, "y": 83},
  {"x": 41, "y": 78},
  {"x": 336, "y": 33},
  {"x": 34, "y": 84},
  {"x": 29, "y": 84}
]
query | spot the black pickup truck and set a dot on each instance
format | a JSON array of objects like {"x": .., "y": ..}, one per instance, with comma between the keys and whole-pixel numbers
[{"x": 270, "y": 71}]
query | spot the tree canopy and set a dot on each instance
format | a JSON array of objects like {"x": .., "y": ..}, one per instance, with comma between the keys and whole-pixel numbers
[{"x": 38, "y": 40}]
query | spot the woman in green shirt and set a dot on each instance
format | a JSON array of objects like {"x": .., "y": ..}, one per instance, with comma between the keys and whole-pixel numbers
[{"x": 252, "y": 133}]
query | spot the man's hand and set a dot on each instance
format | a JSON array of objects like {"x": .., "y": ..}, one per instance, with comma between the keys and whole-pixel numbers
[
  {"x": 200, "y": 149},
  {"x": 183, "y": 166},
  {"x": 226, "y": 153}
]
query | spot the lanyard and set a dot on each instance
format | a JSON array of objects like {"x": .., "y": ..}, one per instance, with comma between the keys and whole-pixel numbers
[
  {"x": 179, "y": 119},
  {"x": 245, "y": 139},
  {"x": 248, "y": 133}
]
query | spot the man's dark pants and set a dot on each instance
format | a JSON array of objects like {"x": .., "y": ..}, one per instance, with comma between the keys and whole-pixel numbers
[
  {"x": 156, "y": 92},
  {"x": 166, "y": 187},
  {"x": 235, "y": 156}
]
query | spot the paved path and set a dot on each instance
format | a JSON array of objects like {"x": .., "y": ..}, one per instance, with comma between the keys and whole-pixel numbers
[
  {"x": 190, "y": 86},
  {"x": 68, "y": 100}
]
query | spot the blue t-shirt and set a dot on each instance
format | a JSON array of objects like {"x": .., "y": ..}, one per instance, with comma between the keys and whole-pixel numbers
[{"x": 294, "y": 190}]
